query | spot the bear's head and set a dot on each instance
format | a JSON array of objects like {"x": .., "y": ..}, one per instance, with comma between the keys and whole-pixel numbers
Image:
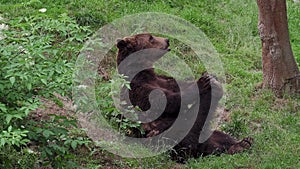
[{"x": 129, "y": 45}]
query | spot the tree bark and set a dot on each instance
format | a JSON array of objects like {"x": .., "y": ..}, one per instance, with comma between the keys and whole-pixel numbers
[{"x": 280, "y": 70}]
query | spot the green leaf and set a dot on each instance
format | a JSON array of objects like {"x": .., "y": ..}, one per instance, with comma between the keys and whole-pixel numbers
[
  {"x": 18, "y": 116},
  {"x": 47, "y": 133},
  {"x": 67, "y": 141},
  {"x": 3, "y": 108},
  {"x": 8, "y": 118},
  {"x": 48, "y": 151},
  {"x": 2, "y": 142},
  {"x": 74, "y": 144},
  {"x": 127, "y": 86},
  {"x": 9, "y": 129},
  {"x": 13, "y": 142},
  {"x": 12, "y": 80},
  {"x": 44, "y": 81},
  {"x": 25, "y": 141},
  {"x": 29, "y": 86}
]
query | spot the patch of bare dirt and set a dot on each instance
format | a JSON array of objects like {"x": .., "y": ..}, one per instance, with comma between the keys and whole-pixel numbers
[{"x": 62, "y": 106}]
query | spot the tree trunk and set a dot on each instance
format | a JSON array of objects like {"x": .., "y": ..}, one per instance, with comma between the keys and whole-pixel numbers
[{"x": 280, "y": 70}]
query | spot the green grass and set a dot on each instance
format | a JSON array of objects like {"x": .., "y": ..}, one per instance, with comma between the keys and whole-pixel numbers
[{"x": 231, "y": 25}]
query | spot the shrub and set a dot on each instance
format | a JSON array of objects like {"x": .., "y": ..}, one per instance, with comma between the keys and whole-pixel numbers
[{"x": 37, "y": 58}]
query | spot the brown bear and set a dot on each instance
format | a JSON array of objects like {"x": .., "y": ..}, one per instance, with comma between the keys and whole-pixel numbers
[{"x": 206, "y": 91}]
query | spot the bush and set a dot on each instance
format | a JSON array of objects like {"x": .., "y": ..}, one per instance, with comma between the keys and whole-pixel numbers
[{"x": 37, "y": 58}]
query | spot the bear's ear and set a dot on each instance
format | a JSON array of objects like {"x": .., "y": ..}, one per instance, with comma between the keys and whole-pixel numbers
[{"x": 121, "y": 43}]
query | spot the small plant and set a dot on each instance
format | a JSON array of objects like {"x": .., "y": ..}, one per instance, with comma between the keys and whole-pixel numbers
[
  {"x": 57, "y": 138},
  {"x": 109, "y": 90},
  {"x": 236, "y": 127},
  {"x": 24, "y": 158},
  {"x": 12, "y": 137}
]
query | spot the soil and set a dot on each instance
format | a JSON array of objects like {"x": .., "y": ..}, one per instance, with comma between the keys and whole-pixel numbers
[{"x": 63, "y": 106}]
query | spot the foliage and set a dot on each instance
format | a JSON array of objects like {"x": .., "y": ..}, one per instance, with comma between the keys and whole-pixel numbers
[
  {"x": 11, "y": 158},
  {"x": 13, "y": 137},
  {"x": 106, "y": 91},
  {"x": 37, "y": 58},
  {"x": 39, "y": 52},
  {"x": 56, "y": 138}
]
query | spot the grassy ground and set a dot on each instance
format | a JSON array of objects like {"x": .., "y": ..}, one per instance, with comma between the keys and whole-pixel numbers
[{"x": 231, "y": 25}]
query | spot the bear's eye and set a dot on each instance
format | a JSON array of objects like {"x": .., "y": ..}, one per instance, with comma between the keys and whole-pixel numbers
[{"x": 151, "y": 39}]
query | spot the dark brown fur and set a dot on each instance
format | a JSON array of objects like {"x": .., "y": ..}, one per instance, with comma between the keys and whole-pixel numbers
[{"x": 147, "y": 80}]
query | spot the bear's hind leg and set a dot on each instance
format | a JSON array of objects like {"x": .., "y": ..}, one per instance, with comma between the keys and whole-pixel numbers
[
  {"x": 241, "y": 146},
  {"x": 220, "y": 142}
]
